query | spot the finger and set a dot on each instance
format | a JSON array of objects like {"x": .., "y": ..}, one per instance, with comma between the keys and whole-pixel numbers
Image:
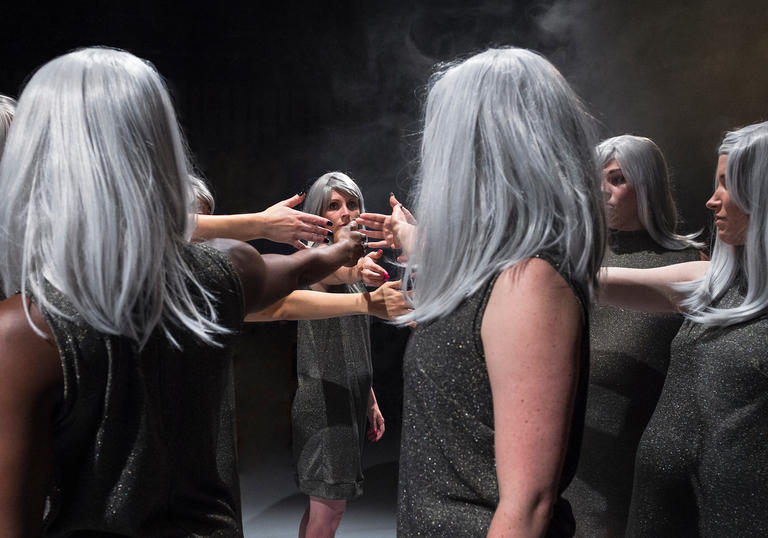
[
  {"x": 408, "y": 216},
  {"x": 314, "y": 220},
  {"x": 294, "y": 200},
  {"x": 315, "y": 230},
  {"x": 393, "y": 202},
  {"x": 376, "y": 254},
  {"x": 376, "y": 234},
  {"x": 372, "y": 219},
  {"x": 376, "y": 268},
  {"x": 299, "y": 245},
  {"x": 378, "y": 244}
]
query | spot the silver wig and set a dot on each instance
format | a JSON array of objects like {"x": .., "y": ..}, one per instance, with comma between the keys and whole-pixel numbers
[
  {"x": 746, "y": 180},
  {"x": 97, "y": 199},
  {"x": 645, "y": 169},
  {"x": 204, "y": 200},
  {"x": 319, "y": 194},
  {"x": 7, "y": 108},
  {"x": 507, "y": 170}
]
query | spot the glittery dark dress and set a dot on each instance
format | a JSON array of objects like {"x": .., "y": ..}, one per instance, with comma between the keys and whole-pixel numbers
[
  {"x": 448, "y": 484},
  {"x": 629, "y": 357},
  {"x": 144, "y": 440},
  {"x": 702, "y": 464},
  {"x": 329, "y": 410}
]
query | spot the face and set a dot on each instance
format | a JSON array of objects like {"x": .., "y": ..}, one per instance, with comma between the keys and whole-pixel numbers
[
  {"x": 620, "y": 199},
  {"x": 342, "y": 208},
  {"x": 731, "y": 222}
]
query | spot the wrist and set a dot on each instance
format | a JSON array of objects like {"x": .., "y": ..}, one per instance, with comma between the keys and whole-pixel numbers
[{"x": 257, "y": 225}]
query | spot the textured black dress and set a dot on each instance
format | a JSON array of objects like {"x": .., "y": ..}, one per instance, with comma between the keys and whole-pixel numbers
[
  {"x": 702, "y": 464},
  {"x": 629, "y": 357},
  {"x": 144, "y": 442},
  {"x": 329, "y": 410},
  {"x": 448, "y": 484}
]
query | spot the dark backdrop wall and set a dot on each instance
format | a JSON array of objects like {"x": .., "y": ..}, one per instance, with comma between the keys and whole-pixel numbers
[{"x": 272, "y": 96}]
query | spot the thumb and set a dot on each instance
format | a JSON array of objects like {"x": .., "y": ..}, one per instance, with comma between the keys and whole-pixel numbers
[
  {"x": 376, "y": 254},
  {"x": 294, "y": 200},
  {"x": 392, "y": 200}
]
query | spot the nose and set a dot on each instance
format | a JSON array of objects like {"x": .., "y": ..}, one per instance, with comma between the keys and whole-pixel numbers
[
  {"x": 714, "y": 202},
  {"x": 605, "y": 187}
]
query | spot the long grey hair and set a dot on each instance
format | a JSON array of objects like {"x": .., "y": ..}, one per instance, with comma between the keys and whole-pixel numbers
[
  {"x": 97, "y": 200},
  {"x": 7, "y": 108},
  {"x": 507, "y": 170},
  {"x": 746, "y": 180},
  {"x": 645, "y": 169}
]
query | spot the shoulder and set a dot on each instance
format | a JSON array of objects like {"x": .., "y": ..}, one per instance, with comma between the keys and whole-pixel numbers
[
  {"x": 530, "y": 278},
  {"x": 30, "y": 363}
]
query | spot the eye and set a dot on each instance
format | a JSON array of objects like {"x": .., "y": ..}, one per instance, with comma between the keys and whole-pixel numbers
[
  {"x": 616, "y": 180},
  {"x": 352, "y": 205},
  {"x": 333, "y": 206}
]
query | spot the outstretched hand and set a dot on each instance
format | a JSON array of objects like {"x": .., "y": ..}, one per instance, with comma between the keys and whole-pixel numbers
[
  {"x": 389, "y": 302},
  {"x": 353, "y": 241},
  {"x": 371, "y": 273},
  {"x": 394, "y": 231},
  {"x": 283, "y": 224}
]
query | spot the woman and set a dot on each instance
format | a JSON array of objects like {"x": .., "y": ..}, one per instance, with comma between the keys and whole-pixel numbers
[
  {"x": 334, "y": 398},
  {"x": 702, "y": 463},
  {"x": 116, "y": 399},
  {"x": 629, "y": 350},
  {"x": 508, "y": 242}
]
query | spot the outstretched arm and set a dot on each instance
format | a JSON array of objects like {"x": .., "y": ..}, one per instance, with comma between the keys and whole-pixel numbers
[
  {"x": 366, "y": 269},
  {"x": 649, "y": 290},
  {"x": 386, "y": 302},
  {"x": 279, "y": 223},
  {"x": 531, "y": 333},
  {"x": 266, "y": 279},
  {"x": 31, "y": 382}
]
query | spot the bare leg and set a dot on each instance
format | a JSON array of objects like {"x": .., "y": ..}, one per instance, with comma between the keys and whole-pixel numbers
[{"x": 321, "y": 518}]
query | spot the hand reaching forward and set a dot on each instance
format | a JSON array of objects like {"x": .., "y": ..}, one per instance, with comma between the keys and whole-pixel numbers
[
  {"x": 388, "y": 302},
  {"x": 371, "y": 273},
  {"x": 283, "y": 224},
  {"x": 375, "y": 419},
  {"x": 395, "y": 230}
]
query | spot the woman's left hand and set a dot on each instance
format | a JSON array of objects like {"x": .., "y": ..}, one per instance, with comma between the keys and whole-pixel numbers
[
  {"x": 375, "y": 419},
  {"x": 371, "y": 273}
]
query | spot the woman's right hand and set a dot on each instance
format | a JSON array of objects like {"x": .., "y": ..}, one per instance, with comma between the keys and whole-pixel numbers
[
  {"x": 388, "y": 301},
  {"x": 352, "y": 242}
]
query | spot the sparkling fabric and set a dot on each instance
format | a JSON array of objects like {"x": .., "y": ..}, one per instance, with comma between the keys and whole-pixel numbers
[
  {"x": 144, "y": 440},
  {"x": 329, "y": 410},
  {"x": 702, "y": 464},
  {"x": 628, "y": 363},
  {"x": 448, "y": 484}
]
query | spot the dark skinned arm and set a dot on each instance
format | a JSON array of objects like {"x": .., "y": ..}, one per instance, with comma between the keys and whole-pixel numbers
[
  {"x": 271, "y": 277},
  {"x": 31, "y": 384}
]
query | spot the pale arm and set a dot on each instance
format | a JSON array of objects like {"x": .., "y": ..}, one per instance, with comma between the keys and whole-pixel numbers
[
  {"x": 366, "y": 269},
  {"x": 648, "y": 290},
  {"x": 531, "y": 333},
  {"x": 279, "y": 223},
  {"x": 386, "y": 302}
]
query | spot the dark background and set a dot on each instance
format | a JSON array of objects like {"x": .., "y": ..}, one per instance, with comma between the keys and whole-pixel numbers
[{"x": 272, "y": 95}]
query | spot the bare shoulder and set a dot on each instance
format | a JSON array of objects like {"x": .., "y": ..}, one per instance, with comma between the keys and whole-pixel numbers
[
  {"x": 530, "y": 279},
  {"x": 239, "y": 252},
  {"x": 30, "y": 363}
]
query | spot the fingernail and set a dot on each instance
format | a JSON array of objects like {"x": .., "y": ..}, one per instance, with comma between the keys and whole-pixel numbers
[
  {"x": 326, "y": 240},
  {"x": 329, "y": 223},
  {"x": 379, "y": 251},
  {"x": 386, "y": 275},
  {"x": 300, "y": 194},
  {"x": 391, "y": 194},
  {"x": 330, "y": 232}
]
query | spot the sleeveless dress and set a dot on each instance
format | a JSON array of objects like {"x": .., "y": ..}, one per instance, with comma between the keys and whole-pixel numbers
[
  {"x": 628, "y": 363},
  {"x": 448, "y": 484},
  {"x": 328, "y": 416},
  {"x": 144, "y": 441},
  {"x": 702, "y": 464}
]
